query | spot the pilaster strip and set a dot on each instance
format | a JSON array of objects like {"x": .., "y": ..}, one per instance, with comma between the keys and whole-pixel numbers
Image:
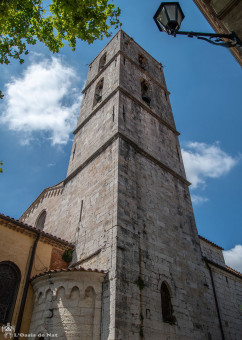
[{"x": 134, "y": 146}]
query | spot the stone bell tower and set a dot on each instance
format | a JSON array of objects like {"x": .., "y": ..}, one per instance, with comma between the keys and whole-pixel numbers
[{"x": 125, "y": 203}]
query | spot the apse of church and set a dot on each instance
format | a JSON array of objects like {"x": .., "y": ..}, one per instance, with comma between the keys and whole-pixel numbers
[
  {"x": 126, "y": 206},
  {"x": 24, "y": 253}
]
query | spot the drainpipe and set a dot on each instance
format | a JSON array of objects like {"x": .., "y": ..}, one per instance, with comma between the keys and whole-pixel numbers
[
  {"x": 26, "y": 286},
  {"x": 215, "y": 297}
]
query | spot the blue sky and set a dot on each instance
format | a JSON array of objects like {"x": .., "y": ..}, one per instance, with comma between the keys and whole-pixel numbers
[{"x": 42, "y": 100}]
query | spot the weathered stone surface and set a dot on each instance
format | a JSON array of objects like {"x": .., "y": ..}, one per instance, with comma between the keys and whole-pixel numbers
[{"x": 126, "y": 205}]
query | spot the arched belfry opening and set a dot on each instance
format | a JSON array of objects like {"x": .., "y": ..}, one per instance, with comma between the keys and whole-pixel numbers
[
  {"x": 98, "y": 92},
  {"x": 166, "y": 305},
  {"x": 102, "y": 62},
  {"x": 10, "y": 277},
  {"x": 40, "y": 222},
  {"x": 145, "y": 91}
]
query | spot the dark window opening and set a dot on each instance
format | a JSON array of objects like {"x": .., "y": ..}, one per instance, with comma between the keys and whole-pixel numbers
[
  {"x": 98, "y": 92},
  {"x": 145, "y": 89},
  {"x": 142, "y": 61},
  {"x": 102, "y": 62},
  {"x": 41, "y": 221},
  {"x": 9, "y": 283},
  {"x": 166, "y": 306}
]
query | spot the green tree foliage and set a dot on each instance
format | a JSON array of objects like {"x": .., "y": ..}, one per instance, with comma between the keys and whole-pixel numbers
[
  {"x": 23, "y": 22},
  {"x": 1, "y": 169}
]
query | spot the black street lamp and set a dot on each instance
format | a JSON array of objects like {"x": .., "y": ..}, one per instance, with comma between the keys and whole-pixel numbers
[{"x": 169, "y": 16}]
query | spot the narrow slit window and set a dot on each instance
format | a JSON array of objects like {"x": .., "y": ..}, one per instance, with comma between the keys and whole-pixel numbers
[
  {"x": 145, "y": 92},
  {"x": 74, "y": 151},
  {"x": 98, "y": 92}
]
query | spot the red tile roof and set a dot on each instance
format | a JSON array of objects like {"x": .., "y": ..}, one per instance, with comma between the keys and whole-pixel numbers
[
  {"x": 233, "y": 271},
  {"x": 35, "y": 230},
  {"x": 80, "y": 269}
]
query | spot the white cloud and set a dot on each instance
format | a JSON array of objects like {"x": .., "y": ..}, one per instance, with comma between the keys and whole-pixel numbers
[
  {"x": 233, "y": 257},
  {"x": 198, "y": 200},
  {"x": 204, "y": 161},
  {"x": 42, "y": 100},
  {"x": 50, "y": 165}
]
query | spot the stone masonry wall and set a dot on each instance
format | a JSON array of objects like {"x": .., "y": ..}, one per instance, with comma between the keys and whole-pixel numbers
[
  {"x": 130, "y": 79},
  {"x": 90, "y": 137},
  {"x": 150, "y": 134},
  {"x": 131, "y": 49},
  {"x": 48, "y": 200},
  {"x": 212, "y": 253},
  {"x": 228, "y": 289},
  {"x": 157, "y": 241},
  {"x": 110, "y": 83},
  {"x": 111, "y": 49}
]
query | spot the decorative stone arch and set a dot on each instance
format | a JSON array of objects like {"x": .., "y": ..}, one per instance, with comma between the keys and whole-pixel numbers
[
  {"x": 98, "y": 92},
  {"x": 40, "y": 222},
  {"x": 10, "y": 277},
  {"x": 75, "y": 293},
  {"x": 102, "y": 61},
  {"x": 166, "y": 304},
  {"x": 145, "y": 91},
  {"x": 40, "y": 298},
  {"x": 61, "y": 292}
]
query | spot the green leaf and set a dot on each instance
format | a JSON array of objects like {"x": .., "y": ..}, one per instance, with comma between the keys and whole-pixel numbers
[{"x": 66, "y": 21}]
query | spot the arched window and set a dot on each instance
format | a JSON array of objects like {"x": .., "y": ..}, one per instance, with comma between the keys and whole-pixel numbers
[
  {"x": 145, "y": 91},
  {"x": 142, "y": 61},
  {"x": 166, "y": 305},
  {"x": 98, "y": 92},
  {"x": 10, "y": 277},
  {"x": 41, "y": 220},
  {"x": 102, "y": 62}
]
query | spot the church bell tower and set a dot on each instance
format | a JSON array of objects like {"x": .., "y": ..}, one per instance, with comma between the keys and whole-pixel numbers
[{"x": 125, "y": 203}]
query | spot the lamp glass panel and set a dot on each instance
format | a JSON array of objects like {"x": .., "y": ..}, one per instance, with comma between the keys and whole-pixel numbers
[
  {"x": 171, "y": 10},
  {"x": 162, "y": 18},
  {"x": 179, "y": 17}
]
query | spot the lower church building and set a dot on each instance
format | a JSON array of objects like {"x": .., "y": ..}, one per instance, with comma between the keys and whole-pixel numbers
[{"x": 112, "y": 252}]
